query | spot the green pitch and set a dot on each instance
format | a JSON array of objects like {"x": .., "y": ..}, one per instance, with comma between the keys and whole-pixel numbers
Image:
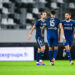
[{"x": 29, "y": 68}]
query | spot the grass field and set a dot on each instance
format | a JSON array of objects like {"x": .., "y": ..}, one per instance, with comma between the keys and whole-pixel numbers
[{"x": 29, "y": 68}]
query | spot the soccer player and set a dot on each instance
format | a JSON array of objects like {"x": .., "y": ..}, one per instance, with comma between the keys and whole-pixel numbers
[
  {"x": 52, "y": 25},
  {"x": 40, "y": 39},
  {"x": 68, "y": 26}
]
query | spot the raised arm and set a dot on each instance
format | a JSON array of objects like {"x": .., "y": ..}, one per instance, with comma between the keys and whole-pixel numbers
[
  {"x": 62, "y": 31},
  {"x": 30, "y": 33}
]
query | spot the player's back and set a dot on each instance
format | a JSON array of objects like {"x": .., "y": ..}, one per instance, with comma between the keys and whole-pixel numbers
[{"x": 52, "y": 26}]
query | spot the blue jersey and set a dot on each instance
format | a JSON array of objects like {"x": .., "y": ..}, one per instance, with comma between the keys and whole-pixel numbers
[
  {"x": 52, "y": 26},
  {"x": 68, "y": 29},
  {"x": 40, "y": 40},
  {"x": 39, "y": 24}
]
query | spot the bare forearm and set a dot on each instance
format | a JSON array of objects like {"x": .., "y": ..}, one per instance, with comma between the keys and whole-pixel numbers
[
  {"x": 61, "y": 29},
  {"x": 32, "y": 29}
]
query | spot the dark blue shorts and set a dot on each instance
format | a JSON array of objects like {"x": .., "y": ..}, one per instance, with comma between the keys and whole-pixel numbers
[
  {"x": 40, "y": 42},
  {"x": 68, "y": 42},
  {"x": 52, "y": 41}
]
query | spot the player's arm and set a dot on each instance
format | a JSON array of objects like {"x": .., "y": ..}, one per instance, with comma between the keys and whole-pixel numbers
[
  {"x": 74, "y": 29},
  {"x": 62, "y": 31},
  {"x": 42, "y": 30},
  {"x": 30, "y": 33},
  {"x": 59, "y": 32},
  {"x": 74, "y": 32}
]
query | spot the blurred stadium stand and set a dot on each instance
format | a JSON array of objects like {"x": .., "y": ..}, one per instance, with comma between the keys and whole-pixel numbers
[{"x": 21, "y": 14}]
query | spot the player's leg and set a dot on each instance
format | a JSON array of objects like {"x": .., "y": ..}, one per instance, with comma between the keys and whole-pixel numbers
[
  {"x": 38, "y": 56},
  {"x": 50, "y": 50},
  {"x": 42, "y": 54},
  {"x": 42, "y": 50},
  {"x": 55, "y": 43},
  {"x": 50, "y": 55},
  {"x": 70, "y": 45},
  {"x": 68, "y": 52},
  {"x": 67, "y": 47},
  {"x": 55, "y": 54},
  {"x": 64, "y": 50},
  {"x": 42, "y": 46}
]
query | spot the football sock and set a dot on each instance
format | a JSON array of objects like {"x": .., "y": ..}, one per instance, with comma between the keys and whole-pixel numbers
[
  {"x": 55, "y": 54},
  {"x": 50, "y": 55},
  {"x": 68, "y": 55}
]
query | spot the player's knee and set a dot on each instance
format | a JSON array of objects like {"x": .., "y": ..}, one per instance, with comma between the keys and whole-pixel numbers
[
  {"x": 67, "y": 47},
  {"x": 43, "y": 48},
  {"x": 56, "y": 48},
  {"x": 50, "y": 48},
  {"x": 39, "y": 50}
]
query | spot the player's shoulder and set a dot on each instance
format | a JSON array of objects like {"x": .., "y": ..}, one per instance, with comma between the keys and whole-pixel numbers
[
  {"x": 57, "y": 19},
  {"x": 38, "y": 20},
  {"x": 48, "y": 19},
  {"x": 72, "y": 20}
]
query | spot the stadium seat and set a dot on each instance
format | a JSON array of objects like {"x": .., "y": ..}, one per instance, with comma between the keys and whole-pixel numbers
[
  {"x": 36, "y": 11},
  {"x": 5, "y": 1},
  {"x": 1, "y": 5},
  {"x": 72, "y": 5},
  {"x": 29, "y": 10},
  {"x": 5, "y": 10},
  {"x": 25, "y": 1},
  {"x": 54, "y": 5},
  {"x": 30, "y": 1},
  {"x": 4, "y": 21},
  {"x": 10, "y": 21},
  {"x": 29, "y": 16},
  {"x": 60, "y": 1},
  {"x": 42, "y": 1}
]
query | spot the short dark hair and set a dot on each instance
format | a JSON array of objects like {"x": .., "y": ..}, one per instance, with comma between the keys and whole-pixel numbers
[
  {"x": 43, "y": 12},
  {"x": 53, "y": 12},
  {"x": 68, "y": 13}
]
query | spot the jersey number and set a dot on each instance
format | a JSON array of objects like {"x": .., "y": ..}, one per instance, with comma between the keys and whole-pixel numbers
[{"x": 52, "y": 23}]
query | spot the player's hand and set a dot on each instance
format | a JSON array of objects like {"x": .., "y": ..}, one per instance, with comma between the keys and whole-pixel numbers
[
  {"x": 29, "y": 37},
  {"x": 74, "y": 36}
]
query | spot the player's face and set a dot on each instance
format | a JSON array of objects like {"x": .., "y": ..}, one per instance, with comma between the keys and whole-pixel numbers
[
  {"x": 67, "y": 16},
  {"x": 43, "y": 15},
  {"x": 53, "y": 15}
]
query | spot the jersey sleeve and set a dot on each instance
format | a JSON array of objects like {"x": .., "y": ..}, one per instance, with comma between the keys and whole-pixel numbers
[
  {"x": 62, "y": 22},
  {"x": 74, "y": 23},
  {"x": 59, "y": 23},
  {"x": 36, "y": 23}
]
